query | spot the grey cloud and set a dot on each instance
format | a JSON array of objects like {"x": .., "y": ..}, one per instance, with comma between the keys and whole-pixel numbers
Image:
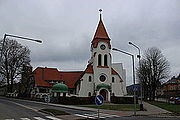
[{"x": 67, "y": 28}]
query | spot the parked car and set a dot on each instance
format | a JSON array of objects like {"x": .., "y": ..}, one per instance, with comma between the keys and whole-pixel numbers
[{"x": 177, "y": 100}]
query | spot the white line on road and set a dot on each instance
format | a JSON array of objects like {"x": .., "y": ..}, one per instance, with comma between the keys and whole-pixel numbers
[
  {"x": 9, "y": 119},
  {"x": 84, "y": 116},
  {"x": 25, "y": 119},
  {"x": 53, "y": 118},
  {"x": 101, "y": 115},
  {"x": 39, "y": 118}
]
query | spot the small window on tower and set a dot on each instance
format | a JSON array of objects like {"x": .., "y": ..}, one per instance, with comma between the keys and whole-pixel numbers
[
  {"x": 113, "y": 79},
  {"x": 105, "y": 60},
  {"x": 99, "y": 60},
  {"x": 90, "y": 79}
]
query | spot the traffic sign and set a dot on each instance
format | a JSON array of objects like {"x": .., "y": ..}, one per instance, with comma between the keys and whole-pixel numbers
[
  {"x": 47, "y": 99},
  {"x": 99, "y": 100}
]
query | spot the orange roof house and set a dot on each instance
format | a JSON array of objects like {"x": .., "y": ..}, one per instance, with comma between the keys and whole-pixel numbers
[{"x": 45, "y": 77}]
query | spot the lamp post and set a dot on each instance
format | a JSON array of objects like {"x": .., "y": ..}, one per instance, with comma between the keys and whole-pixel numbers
[
  {"x": 141, "y": 90},
  {"x": 16, "y": 36},
  {"x": 10, "y": 35},
  {"x": 133, "y": 73}
]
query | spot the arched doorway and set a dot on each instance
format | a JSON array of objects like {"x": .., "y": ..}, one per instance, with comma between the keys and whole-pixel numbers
[{"x": 104, "y": 93}]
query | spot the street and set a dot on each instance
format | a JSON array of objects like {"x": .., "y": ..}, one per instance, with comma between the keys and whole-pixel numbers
[
  {"x": 11, "y": 111},
  {"x": 15, "y": 109}
]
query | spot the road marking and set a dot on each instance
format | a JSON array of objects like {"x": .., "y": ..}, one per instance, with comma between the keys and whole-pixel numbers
[
  {"x": 9, "y": 119},
  {"x": 25, "y": 119},
  {"x": 95, "y": 115},
  {"x": 39, "y": 118},
  {"x": 108, "y": 115},
  {"x": 53, "y": 118},
  {"x": 84, "y": 116}
]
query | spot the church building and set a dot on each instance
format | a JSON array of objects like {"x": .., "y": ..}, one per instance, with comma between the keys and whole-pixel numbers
[{"x": 101, "y": 76}]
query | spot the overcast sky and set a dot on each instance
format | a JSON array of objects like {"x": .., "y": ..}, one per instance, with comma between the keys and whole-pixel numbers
[{"x": 68, "y": 26}]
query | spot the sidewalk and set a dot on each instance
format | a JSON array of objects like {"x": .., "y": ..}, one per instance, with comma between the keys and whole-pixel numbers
[{"x": 152, "y": 110}]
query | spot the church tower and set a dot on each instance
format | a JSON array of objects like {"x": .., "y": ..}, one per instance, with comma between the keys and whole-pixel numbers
[
  {"x": 101, "y": 60},
  {"x": 101, "y": 76}
]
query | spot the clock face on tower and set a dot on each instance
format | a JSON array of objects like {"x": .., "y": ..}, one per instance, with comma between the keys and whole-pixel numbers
[{"x": 103, "y": 47}]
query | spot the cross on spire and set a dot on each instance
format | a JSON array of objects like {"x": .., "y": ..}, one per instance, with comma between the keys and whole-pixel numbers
[{"x": 100, "y": 10}]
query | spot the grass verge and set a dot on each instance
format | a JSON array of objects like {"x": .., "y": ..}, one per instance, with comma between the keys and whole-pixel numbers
[
  {"x": 53, "y": 112},
  {"x": 167, "y": 106},
  {"x": 119, "y": 107}
]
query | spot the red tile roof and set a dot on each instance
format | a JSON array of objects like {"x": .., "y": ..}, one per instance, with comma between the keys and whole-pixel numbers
[
  {"x": 70, "y": 78},
  {"x": 101, "y": 31},
  {"x": 113, "y": 72},
  {"x": 89, "y": 69},
  {"x": 42, "y": 75},
  {"x": 101, "y": 35}
]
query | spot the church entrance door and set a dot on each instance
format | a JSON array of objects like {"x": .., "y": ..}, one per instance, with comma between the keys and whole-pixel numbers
[{"x": 104, "y": 93}]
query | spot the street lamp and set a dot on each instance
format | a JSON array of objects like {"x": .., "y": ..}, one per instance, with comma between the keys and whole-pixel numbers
[
  {"x": 133, "y": 72},
  {"x": 139, "y": 57},
  {"x": 10, "y": 35}
]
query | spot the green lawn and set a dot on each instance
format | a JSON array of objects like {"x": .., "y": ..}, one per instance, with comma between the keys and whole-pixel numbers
[
  {"x": 167, "y": 106},
  {"x": 119, "y": 107}
]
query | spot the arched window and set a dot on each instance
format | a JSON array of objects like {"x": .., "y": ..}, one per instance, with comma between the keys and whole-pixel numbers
[
  {"x": 90, "y": 79},
  {"x": 89, "y": 94},
  {"x": 112, "y": 79},
  {"x": 105, "y": 60},
  {"x": 99, "y": 60}
]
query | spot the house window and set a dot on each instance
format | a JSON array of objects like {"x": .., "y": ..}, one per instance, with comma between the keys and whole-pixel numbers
[
  {"x": 113, "y": 79},
  {"x": 105, "y": 60},
  {"x": 89, "y": 94},
  {"x": 90, "y": 79},
  {"x": 99, "y": 60}
]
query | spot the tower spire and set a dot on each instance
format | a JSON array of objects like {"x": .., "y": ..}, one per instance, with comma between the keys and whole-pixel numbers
[{"x": 100, "y": 34}]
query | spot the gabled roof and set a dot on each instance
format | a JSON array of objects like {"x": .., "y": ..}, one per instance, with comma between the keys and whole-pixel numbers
[
  {"x": 113, "y": 72},
  {"x": 100, "y": 35},
  {"x": 42, "y": 75},
  {"x": 70, "y": 78},
  {"x": 89, "y": 69}
]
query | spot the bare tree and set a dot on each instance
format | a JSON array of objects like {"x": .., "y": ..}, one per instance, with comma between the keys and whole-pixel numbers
[
  {"x": 14, "y": 56},
  {"x": 153, "y": 68}
]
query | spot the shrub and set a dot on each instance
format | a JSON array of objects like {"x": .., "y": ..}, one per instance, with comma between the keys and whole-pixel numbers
[{"x": 123, "y": 100}]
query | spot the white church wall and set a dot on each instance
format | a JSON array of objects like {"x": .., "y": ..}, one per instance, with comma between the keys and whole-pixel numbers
[
  {"x": 118, "y": 67},
  {"x": 117, "y": 86},
  {"x": 86, "y": 86}
]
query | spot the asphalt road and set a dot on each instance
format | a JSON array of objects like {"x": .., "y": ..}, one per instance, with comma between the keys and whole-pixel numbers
[
  {"x": 10, "y": 110},
  {"x": 15, "y": 109}
]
